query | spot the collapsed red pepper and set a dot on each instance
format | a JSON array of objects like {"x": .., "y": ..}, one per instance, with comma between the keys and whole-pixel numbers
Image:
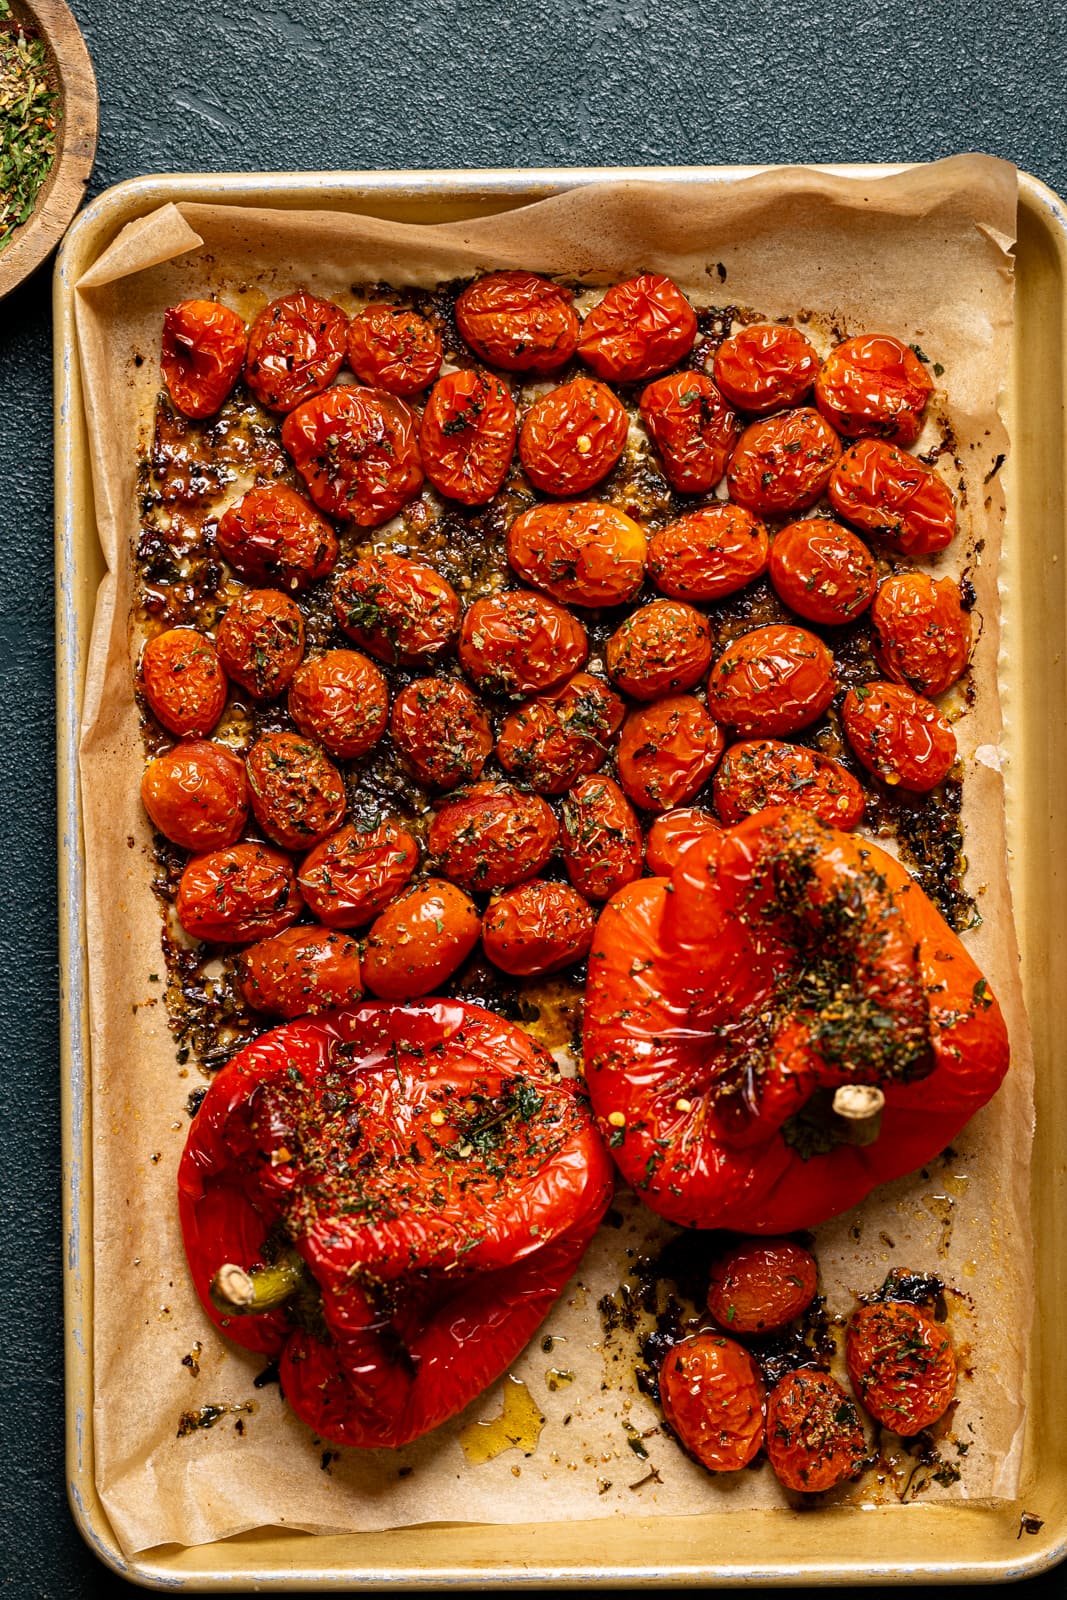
[
  {"x": 400, "y": 1193},
  {"x": 732, "y": 1011}
]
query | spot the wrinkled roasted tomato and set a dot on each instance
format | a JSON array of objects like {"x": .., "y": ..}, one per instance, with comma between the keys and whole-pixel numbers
[
  {"x": 895, "y": 496},
  {"x": 519, "y": 321},
  {"x": 203, "y": 352},
  {"x": 399, "y": 610},
  {"x": 708, "y": 553},
  {"x": 420, "y": 939},
  {"x": 467, "y": 436},
  {"x": 197, "y": 795},
  {"x": 922, "y": 633},
  {"x": 581, "y": 552},
  {"x": 600, "y": 839},
  {"x": 760, "y": 1285},
  {"x": 815, "y": 1439},
  {"x": 357, "y": 451},
  {"x": 301, "y": 972},
  {"x": 352, "y": 875},
  {"x": 765, "y": 772},
  {"x": 441, "y": 732},
  {"x": 713, "y": 1398},
  {"x": 271, "y": 535},
  {"x": 765, "y": 367},
  {"x": 340, "y": 698},
  {"x": 874, "y": 385},
  {"x": 901, "y": 1365},
  {"x": 771, "y": 681},
  {"x": 295, "y": 348},
  {"x": 660, "y": 649},
  {"x": 393, "y": 348},
  {"x": 537, "y": 927},
  {"x": 640, "y": 327},
  {"x": 822, "y": 570},
  {"x": 693, "y": 429},
  {"x": 520, "y": 643},
  {"x": 784, "y": 462},
  {"x": 237, "y": 895},
  {"x": 298, "y": 795},
  {"x": 667, "y": 752},
  {"x": 183, "y": 681},
  {"x": 492, "y": 835},
  {"x": 671, "y": 834},
  {"x": 260, "y": 641},
  {"x": 572, "y": 437},
  {"x": 561, "y": 736},
  {"x": 898, "y": 735}
]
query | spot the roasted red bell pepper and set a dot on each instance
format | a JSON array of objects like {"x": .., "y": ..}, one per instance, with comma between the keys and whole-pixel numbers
[
  {"x": 388, "y": 1200},
  {"x": 782, "y": 961}
]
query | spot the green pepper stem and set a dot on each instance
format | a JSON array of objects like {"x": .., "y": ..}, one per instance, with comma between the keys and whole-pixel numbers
[{"x": 239, "y": 1293}]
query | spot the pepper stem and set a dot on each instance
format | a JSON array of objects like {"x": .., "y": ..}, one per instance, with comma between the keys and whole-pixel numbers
[
  {"x": 858, "y": 1107},
  {"x": 239, "y": 1293}
]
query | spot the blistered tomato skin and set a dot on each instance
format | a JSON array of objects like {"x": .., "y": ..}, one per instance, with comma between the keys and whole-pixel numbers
[
  {"x": 491, "y": 836},
  {"x": 922, "y": 633},
  {"x": 400, "y": 611},
  {"x": 298, "y": 795},
  {"x": 561, "y": 736},
  {"x": 667, "y": 752},
  {"x": 600, "y": 838},
  {"x": 660, "y": 649},
  {"x": 352, "y": 876},
  {"x": 183, "y": 681},
  {"x": 520, "y": 643},
  {"x": 760, "y": 1285},
  {"x": 894, "y": 497},
  {"x": 203, "y": 352},
  {"x": 467, "y": 436},
  {"x": 672, "y": 833},
  {"x": 640, "y": 328},
  {"x": 295, "y": 348},
  {"x": 572, "y": 437},
  {"x": 901, "y": 1365},
  {"x": 341, "y": 700},
  {"x": 815, "y": 1439},
  {"x": 272, "y": 535},
  {"x": 300, "y": 972},
  {"x": 519, "y": 321},
  {"x": 822, "y": 571},
  {"x": 874, "y": 386},
  {"x": 393, "y": 348},
  {"x": 759, "y": 773},
  {"x": 708, "y": 553},
  {"x": 713, "y": 1398},
  {"x": 357, "y": 450},
  {"x": 239, "y": 894},
  {"x": 260, "y": 641},
  {"x": 581, "y": 552},
  {"x": 420, "y": 940},
  {"x": 441, "y": 732},
  {"x": 899, "y": 735},
  {"x": 197, "y": 795},
  {"x": 765, "y": 367},
  {"x": 771, "y": 682},
  {"x": 537, "y": 927},
  {"x": 693, "y": 429},
  {"x": 783, "y": 463}
]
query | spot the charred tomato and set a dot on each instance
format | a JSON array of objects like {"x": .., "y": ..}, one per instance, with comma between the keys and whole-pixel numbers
[
  {"x": 572, "y": 437},
  {"x": 519, "y": 321},
  {"x": 204, "y": 347},
  {"x": 357, "y": 451},
  {"x": 467, "y": 436},
  {"x": 295, "y": 348},
  {"x": 693, "y": 429}
]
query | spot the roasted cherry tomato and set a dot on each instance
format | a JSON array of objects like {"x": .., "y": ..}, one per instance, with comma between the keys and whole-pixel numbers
[
  {"x": 581, "y": 552},
  {"x": 562, "y": 735},
  {"x": 814, "y": 1436},
  {"x": 708, "y": 553},
  {"x": 237, "y": 895},
  {"x": 572, "y": 437},
  {"x": 771, "y": 681},
  {"x": 467, "y": 437},
  {"x": 822, "y": 571},
  {"x": 660, "y": 648},
  {"x": 420, "y": 940},
  {"x": 901, "y": 1365},
  {"x": 519, "y": 321},
  {"x": 922, "y": 633},
  {"x": 441, "y": 732},
  {"x": 520, "y": 643},
  {"x": 203, "y": 353},
  {"x": 639, "y": 328},
  {"x": 260, "y": 641},
  {"x": 784, "y": 462},
  {"x": 295, "y": 348},
  {"x": 301, "y": 972},
  {"x": 764, "y": 772},
  {"x": 898, "y": 735},
  {"x": 765, "y": 367},
  {"x": 340, "y": 699},
  {"x": 874, "y": 385},
  {"x": 393, "y": 348},
  {"x": 537, "y": 927},
  {"x": 399, "y": 610},
  {"x": 896, "y": 497},
  {"x": 298, "y": 795},
  {"x": 271, "y": 535},
  {"x": 197, "y": 795},
  {"x": 760, "y": 1285},
  {"x": 357, "y": 450},
  {"x": 183, "y": 681},
  {"x": 355, "y": 873},
  {"x": 667, "y": 752},
  {"x": 713, "y": 1398},
  {"x": 672, "y": 833},
  {"x": 491, "y": 836},
  {"x": 600, "y": 838},
  {"x": 692, "y": 428}
]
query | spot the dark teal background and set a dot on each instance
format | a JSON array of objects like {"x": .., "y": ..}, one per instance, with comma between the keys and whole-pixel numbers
[{"x": 366, "y": 84}]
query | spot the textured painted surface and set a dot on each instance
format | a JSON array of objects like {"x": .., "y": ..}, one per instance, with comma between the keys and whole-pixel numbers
[{"x": 185, "y": 87}]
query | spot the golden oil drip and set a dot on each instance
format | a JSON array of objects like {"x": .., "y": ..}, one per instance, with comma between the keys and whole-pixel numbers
[
  {"x": 557, "y": 1378},
  {"x": 942, "y": 1206},
  {"x": 518, "y": 1427}
]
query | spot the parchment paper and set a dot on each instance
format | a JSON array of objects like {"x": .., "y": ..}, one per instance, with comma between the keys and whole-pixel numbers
[{"x": 925, "y": 255}]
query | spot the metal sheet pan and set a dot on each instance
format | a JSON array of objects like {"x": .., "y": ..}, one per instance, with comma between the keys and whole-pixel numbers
[{"x": 936, "y": 1544}]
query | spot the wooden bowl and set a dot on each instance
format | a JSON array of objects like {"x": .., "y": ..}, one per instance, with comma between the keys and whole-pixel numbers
[{"x": 63, "y": 190}]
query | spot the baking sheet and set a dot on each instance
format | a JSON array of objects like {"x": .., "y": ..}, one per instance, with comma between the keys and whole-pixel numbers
[{"x": 930, "y": 1240}]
